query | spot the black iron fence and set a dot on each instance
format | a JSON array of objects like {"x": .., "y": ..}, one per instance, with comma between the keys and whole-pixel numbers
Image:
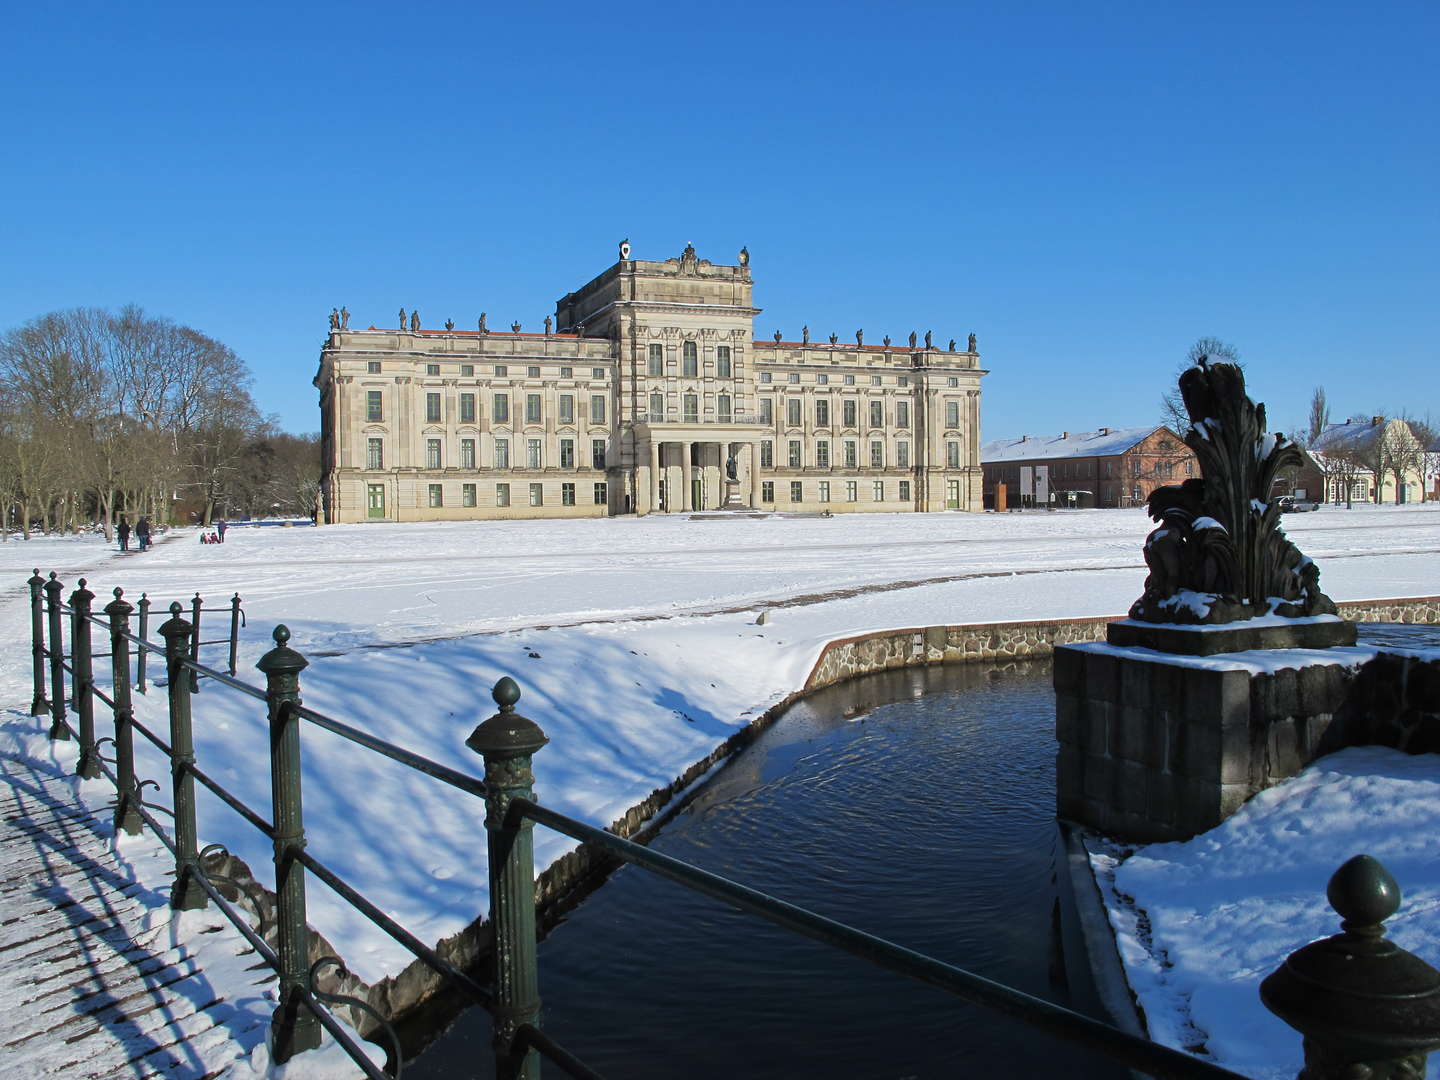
[{"x": 507, "y": 742}]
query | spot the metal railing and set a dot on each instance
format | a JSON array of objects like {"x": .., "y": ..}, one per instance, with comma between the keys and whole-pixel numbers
[{"x": 507, "y": 742}]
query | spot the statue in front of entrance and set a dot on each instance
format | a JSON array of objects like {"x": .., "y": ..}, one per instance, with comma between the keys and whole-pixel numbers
[{"x": 732, "y": 468}]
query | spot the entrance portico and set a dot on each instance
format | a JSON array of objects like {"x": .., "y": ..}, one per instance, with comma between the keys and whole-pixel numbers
[{"x": 685, "y": 467}]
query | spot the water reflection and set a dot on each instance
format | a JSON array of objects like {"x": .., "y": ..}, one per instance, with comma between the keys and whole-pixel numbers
[{"x": 918, "y": 805}]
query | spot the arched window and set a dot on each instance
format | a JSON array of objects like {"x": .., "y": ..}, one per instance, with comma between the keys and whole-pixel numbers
[{"x": 692, "y": 361}]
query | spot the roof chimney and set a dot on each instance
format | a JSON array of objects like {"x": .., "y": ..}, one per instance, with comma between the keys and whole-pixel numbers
[
  {"x": 1024, "y": 438},
  {"x": 1104, "y": 431},
  {"x": 1064, "y": 434}
]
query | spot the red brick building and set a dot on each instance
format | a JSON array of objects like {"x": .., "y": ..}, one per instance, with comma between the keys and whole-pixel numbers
[{"x": 1107, "y": 468}]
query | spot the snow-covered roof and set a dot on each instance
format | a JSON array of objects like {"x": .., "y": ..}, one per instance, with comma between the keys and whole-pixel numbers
[
  {"x": 1070, "y": 444},
  {"x": 1350, "y": 435}
]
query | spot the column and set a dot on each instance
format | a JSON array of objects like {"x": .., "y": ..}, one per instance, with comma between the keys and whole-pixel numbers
[
  {"x": 654, "y": 476},
  {"x": 686, "y": 450},
  {"x": 754, "y": 475}
]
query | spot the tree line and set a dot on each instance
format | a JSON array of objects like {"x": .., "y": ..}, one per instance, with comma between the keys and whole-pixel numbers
[{"x": 104, "y": 414}]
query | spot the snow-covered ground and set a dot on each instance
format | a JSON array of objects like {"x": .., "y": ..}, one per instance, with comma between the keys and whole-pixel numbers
[{"x": 634, "y": 642}]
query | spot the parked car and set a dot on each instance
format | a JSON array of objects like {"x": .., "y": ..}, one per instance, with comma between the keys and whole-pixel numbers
[{"x": 1291, "y": 505}]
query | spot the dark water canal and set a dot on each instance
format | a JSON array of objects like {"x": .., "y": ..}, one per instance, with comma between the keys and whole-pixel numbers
[{"x": 916, "y": 805}]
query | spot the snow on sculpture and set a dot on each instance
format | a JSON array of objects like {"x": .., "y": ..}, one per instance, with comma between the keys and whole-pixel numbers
[{"x": 1218, "y": 554}]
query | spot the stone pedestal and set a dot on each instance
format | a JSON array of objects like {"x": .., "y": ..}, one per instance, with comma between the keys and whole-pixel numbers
[{"x": 1159, "y": 747}]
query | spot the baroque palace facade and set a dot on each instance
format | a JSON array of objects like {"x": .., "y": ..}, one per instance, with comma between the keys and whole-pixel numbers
[{"x": 648, "y": 393}]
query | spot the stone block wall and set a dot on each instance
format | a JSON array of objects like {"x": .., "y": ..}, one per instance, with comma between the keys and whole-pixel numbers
[{"x": 1163, "y": 748}]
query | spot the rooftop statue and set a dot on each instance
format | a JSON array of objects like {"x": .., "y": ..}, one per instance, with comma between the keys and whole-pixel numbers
[
  {"x": 971, "y": 346},
  {"x": 744, "y": 256},
  {"x": 1218, "y": 553},
  {"x": 344, "y": 318}
]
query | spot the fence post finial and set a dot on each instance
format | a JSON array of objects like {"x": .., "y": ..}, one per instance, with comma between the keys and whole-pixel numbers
[
  {"x": 507, "y": 741},
  {"x": 1368, "y": 1010},
  {"x": 293, "y": 1027}
]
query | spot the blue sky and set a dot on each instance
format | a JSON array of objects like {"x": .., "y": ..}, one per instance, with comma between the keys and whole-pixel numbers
[{"x": 1088, "y": 188}]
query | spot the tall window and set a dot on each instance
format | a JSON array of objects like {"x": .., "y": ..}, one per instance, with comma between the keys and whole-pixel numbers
[
  {"x": 567, "y": 494},
  {"x": 500, "y": 409},
  {"x": 375, "y": 454},
  {"x": 502, "y": 494},
  {"x": 532, "y": 408},
  {"x": 432, "y": 408},
  {"x": 824, "y": 490},
  {"x": 467, "y": 453},
  {"x": 601, "y": 494},
  {"x": 532, "y": 453},
  {"x": 952, "y": 414},
  {"x": 877, "y": 490},
  {"x": 657, "y": 407},
  {"x": 597, "y": 453},
  {"x": 792, "y": 412},
  {"x": 877, "y": 414},
  {"x": 722, "y": 361},
  {"x": 567, "y": 408},
  {"x": 767, "y": 410},
  {"x": 467, "y": 408},
  {"x": 537, "y": 494},
  {"x": 952, "y": 454},
  {"x": 877, "y": 454},
  {"x": 502, "y": 453},
  {"x": 691, "y": 366},
  {"x": 902, "y": 455},
  {"x": 432, "y": 453},
  {"x": 852, "y": 453},
  {"x": 692, "y": 408},
  {"x": 767, "y": 491},
  {"x": 852, "y": 491},
  {"x": 567, "y": 453},
  {"x": 467, "y": 494},
  {"x": 437, "y": 495},
  {"x": 597, "y": 408},
  {"x": 822, "y": 412},
  {"x": 657, "y": 360},
  {"x": 822, "y": 453},
  {"x": 904, "y": 490},
  {"x": 848, "y": 412},
  {"x": 767, "y": 454},
  {"x": 722, "y": 408},
  {"x": 794, "y": 453},
  {"x": 372, "y": 406},
  {"x": 797, "y": 491},
  {"x": 902, "y": 414}
]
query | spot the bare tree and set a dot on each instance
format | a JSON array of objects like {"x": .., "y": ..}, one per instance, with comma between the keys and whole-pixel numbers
[{"x": 1319, "y": 415}]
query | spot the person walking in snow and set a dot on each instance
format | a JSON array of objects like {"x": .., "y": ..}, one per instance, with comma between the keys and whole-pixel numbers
[
  {"x": 142, "y": 532},
  {"x": 220, "y": 531},
  {"x": 123, "y": 531}
]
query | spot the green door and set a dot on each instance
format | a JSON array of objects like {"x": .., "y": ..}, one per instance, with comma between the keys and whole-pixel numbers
[
  {"x": 952, "y": 494},
  {"x": 697, "y": 493},
  {"x": 375, "y": 495}
]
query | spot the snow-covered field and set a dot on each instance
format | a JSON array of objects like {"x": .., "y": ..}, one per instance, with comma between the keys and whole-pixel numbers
[{"x": 634, "y": 642}]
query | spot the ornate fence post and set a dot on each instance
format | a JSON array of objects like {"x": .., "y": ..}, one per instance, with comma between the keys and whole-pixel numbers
[
  {"x": 38, "y": 705},
  {"x": 58, "y": 727},
  {"x": 507, "y": 741},
  {"x": 127, "y": 815},
  {"x": 186, "y": 894},
  {"x": 234, "y": 630},
  {"x": 195, "y": 606},
  {"x": 142, "y": 631},
  {"x": 1368, "y": 1009},
  {"x": 83, "y": 680},
  {"x": 293, "y": 1027}
]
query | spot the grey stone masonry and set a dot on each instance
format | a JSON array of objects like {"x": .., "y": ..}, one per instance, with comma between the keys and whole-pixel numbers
[{"x": 1156, "y": 747}]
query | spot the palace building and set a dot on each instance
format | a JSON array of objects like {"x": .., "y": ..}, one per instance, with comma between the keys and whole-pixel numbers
[{"x": 647, "y": 393}]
